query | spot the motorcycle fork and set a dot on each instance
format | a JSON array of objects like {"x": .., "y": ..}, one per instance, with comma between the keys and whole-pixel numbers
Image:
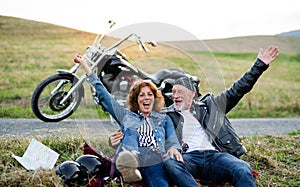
[
  {"x": 61, "y": 83},
  {"x": 73, "y": 88},
  {"x": 83, "y": 77}
]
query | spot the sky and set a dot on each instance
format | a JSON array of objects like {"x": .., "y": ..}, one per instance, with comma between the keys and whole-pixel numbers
[{"x": 202, "y": 19}]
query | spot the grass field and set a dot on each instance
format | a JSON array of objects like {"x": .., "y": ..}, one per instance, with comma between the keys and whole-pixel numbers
[{"x": 276, "y": 158}]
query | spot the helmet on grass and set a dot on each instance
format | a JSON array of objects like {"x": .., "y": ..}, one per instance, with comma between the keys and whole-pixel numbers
[
  {"x": 92, "y": 164},
  {"x": 72, "y": 173}
]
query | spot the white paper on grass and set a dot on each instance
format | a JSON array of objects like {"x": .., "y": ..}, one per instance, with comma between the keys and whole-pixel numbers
[{"x": 37, "y": 155}]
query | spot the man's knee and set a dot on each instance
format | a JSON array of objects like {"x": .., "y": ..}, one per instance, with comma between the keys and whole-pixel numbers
[
  {"x": 169, "y": 163},
  {"x": 244, "y": 170}
]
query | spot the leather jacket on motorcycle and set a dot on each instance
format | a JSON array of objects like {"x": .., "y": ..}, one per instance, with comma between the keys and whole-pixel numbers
[{"x": 211, "y": 112}]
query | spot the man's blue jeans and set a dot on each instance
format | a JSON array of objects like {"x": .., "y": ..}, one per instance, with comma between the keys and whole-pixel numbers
[{"x": 211, "y": 166}]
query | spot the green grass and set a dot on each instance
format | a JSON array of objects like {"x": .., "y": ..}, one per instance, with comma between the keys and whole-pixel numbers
[
  {"x": 276, "y": 158},
  {"x": 276, "y": 94}
]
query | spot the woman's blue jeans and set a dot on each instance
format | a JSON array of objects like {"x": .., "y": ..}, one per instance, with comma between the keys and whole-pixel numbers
[
  {"x": 151, "y": 162},
  {"x": 211, "y": 166}
]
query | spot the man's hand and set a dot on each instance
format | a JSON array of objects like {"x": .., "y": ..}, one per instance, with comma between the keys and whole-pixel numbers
[
  {"x": 269, "y": 55},
  {"x": 115, "y": 138},
  {"x": 173, "y": 152}
]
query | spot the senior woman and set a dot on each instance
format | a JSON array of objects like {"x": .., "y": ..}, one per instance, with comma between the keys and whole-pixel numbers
[{"x": 149, "y": 136}]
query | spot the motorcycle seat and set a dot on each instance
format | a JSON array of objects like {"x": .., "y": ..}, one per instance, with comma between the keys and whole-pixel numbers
[{"x": 164, "y": 74}]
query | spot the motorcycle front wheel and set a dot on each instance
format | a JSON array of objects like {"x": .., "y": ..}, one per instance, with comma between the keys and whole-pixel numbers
[{"x": 45, "y": 102}]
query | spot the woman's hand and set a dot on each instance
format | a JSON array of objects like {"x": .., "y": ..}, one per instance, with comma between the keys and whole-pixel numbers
[
  {"x": 78, "y": 59},
  {"x": 173, "y": 152},
  {"x": 115, "y": 138}
]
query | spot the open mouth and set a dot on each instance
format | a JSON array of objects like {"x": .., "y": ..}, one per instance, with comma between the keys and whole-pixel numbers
[
  {"x": 147, "y": 105},
  {"x": 177, "y": 101}
]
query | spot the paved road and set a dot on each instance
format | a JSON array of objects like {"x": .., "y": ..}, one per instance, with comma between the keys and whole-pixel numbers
[{"x": 102, "y": 128}]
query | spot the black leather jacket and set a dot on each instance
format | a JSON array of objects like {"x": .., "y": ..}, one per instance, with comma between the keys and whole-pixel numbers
[{"x": 211, "y": 112}]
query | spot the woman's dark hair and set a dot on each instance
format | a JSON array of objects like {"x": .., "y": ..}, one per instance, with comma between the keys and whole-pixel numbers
[{"x": 134, "y": 91}]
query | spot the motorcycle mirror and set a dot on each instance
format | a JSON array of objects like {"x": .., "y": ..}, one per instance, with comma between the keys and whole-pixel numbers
[
  {"x": 152, "y": 43},
  {"x": 111, "y": 23}
]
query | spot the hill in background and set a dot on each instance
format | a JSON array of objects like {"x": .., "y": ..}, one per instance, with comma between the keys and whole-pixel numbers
[
  {"x": 290, "y": 45},
  {"x": 295, "y": 33},
  {"x": 288, "y": 42}
]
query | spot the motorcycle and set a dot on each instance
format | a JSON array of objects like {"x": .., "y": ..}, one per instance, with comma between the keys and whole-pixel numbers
[{"x": 58, "y": 96}]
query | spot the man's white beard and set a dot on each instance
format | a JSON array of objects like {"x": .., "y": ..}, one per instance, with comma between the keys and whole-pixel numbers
[{"x": 182, "y": 107}]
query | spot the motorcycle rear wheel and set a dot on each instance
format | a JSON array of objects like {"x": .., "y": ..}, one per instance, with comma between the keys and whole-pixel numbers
[{"x": 45, "y": 99}]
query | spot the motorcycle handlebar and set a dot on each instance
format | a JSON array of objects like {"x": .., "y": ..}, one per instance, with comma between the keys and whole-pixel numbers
[
  {"x": 138, "y": 41},
  {"x": 141, "y": 43}
]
